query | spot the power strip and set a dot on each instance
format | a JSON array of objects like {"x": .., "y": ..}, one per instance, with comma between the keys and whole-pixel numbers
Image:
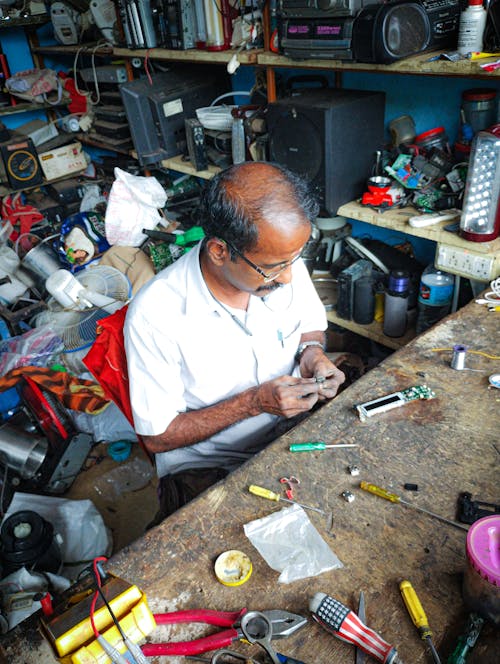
[{"x": 466, "y": 263}]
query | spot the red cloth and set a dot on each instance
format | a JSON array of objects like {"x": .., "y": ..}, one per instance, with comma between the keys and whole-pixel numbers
[{"x": 107, "y": 362}]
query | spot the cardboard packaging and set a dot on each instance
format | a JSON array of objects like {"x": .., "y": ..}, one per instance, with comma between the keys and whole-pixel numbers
[{"x": 62, "y": 161}]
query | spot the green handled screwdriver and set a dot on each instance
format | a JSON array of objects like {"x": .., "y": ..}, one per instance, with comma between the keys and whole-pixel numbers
[
  {"x": 271, "y": 495},
  {"x": 312, "y": 447}
]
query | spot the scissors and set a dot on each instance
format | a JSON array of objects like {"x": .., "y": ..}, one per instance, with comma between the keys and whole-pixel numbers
[
  {"x": 281, "y": 624},
  {"x": 360, "y": 657}
]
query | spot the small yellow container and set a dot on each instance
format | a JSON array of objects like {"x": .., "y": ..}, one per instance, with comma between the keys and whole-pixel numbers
[{"x": 233, "y": 568}]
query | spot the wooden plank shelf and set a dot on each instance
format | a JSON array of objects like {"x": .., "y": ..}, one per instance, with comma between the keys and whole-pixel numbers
[
  {"x": 180, "y": 164},
  {"x": 372, "y": 331}
]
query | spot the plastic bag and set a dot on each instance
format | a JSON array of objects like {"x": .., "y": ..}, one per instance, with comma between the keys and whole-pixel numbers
[
  {"x": 133, "y": 205},
  {"x": 81, "y": 527},
  {"x": 34, "y": 85},
  {"x": 290, "y": 544},
  {"x": 38, "y": 347}
]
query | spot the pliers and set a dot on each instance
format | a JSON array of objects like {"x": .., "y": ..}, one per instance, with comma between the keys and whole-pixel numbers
[{"x": 283, "y": 624}]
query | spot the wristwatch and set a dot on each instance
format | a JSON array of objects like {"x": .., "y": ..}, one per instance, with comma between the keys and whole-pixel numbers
[{"x": 304, "y": 345}]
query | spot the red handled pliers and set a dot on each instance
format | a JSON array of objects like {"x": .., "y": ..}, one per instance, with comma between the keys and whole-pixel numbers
[{"x": 283, "y": 624}]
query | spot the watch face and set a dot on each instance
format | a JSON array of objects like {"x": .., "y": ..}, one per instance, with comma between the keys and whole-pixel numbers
[{"x": 22, "y": 165}]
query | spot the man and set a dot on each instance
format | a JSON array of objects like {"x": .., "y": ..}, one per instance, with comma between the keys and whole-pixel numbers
[{"x": 227, "y": 342}]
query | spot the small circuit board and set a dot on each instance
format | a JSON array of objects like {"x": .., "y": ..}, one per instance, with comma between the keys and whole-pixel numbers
[{"x": 394, "y": 400}]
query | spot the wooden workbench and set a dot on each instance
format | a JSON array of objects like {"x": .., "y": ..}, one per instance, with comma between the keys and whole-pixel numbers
[{"x": 447, "y": 445}]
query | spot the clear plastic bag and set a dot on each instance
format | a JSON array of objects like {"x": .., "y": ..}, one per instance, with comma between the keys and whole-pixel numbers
[
  {"x": 38, "y": 347},
  {"x": 290, "y": 544}
]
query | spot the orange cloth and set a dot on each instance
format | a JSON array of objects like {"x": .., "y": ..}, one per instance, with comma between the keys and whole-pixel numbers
[{"x": 74, "y": 393}]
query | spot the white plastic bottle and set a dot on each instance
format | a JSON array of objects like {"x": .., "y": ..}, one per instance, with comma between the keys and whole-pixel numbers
[{"x": 471, "y": 28}]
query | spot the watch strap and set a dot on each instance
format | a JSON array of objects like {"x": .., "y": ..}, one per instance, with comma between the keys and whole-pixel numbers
[{"x": 306, "y": 344}]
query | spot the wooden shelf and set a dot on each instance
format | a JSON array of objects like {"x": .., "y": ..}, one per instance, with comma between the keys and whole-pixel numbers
[
  {"x": 397, "y": 220},
  {"x": 163, "y": 54},
  {"x": 417, "y": 65},
  {"x": 179, "y": 164},
  {"x": 26, "y": 107},
  {"x": 372, "y": 331}
]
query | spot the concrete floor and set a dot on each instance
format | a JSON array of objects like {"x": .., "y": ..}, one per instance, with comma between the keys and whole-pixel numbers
[{"x": 124, "y": 492}]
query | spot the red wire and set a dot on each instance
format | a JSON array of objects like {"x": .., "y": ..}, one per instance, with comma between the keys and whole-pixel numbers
[
  {"x": 96, "y": 594},
  {"x": 146, "y": 66}
]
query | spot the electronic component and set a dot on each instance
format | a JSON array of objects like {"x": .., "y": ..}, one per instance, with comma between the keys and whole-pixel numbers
[
  {"x": 347, "y": 496},
  {"x": 195, "y": 139},
  {"x": 353, "y": 470},
  {"x": 390, "y": 401}
]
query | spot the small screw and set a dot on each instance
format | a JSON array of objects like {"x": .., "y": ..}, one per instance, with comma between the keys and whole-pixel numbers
[
  {"x": 347, "y": 496},
  {"x": 354, "y": 470}
]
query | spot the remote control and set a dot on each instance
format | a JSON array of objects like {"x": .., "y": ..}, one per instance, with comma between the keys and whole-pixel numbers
[{"x": 421, "y": 220}]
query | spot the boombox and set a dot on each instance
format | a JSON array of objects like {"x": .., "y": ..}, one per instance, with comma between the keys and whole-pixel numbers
[
  {"x": 378, "y": 33},
  {"x": 321, "y": 8}
]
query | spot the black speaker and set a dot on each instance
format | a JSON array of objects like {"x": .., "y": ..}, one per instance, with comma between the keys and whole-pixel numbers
[{"x": 329, "y": 137}]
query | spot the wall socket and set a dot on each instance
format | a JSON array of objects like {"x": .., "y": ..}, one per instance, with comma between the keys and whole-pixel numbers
[{"x": 481, "y": 267}]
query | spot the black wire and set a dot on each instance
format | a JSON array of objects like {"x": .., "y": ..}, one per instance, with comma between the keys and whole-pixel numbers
[{"x": 111, "y": 612}]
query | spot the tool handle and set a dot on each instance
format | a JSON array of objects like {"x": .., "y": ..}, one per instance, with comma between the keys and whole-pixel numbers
[
  {"x": 212, "y": 642},
  {"x": 208, "y": 616},
  {"x": 347, "y": 626},
  {"x": 287, "y": 660},
  {"x": 415, "y": 609},
  {"x": 264, "y": 493},
  {"x": 307, "y": 447},
  {"x": 378, "y": 491}
]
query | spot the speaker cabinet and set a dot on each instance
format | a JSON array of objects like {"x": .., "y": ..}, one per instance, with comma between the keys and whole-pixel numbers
[{"x": 329, "y": 137}]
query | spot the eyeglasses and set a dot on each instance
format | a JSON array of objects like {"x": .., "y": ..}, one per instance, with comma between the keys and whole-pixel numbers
[{"x": 267, "y": 276}]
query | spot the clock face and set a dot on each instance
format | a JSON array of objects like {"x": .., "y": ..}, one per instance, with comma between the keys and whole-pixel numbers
[{"x": 22, "y": 165}]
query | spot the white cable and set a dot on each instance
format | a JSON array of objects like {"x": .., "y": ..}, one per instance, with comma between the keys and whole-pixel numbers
[
  {"x": 231, "y": 94},
  {"x": 492, "y": 296}
]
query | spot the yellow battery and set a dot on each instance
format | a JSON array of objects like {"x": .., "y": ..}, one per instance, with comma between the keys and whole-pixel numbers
[
  {"x": 137, "y": 624},
  {"x": 69, "y": 628}
]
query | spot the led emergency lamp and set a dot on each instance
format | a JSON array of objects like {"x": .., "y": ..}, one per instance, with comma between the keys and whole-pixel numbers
[{"x": 480, "y": 220}]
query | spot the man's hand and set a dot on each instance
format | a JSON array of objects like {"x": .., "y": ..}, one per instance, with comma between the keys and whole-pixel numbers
[
  {"x": 287, "y": 396},
  {"x": 314, "y": 363}
]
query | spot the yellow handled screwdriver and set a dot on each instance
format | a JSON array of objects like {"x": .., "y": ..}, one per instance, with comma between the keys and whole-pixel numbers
[
  {"x": 394, "y": 498},
  {"x": 418, "y": 616},
  {"x": 270, "y": 495}
]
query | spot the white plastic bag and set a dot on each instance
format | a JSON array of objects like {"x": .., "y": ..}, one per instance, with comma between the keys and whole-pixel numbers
[
  {"x": 81, "y": 527},
  {"x": 132, "y": 205},
  {"x": 290, "y": 544}
]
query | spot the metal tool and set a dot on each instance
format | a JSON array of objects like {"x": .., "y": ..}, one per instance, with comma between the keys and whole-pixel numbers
[
  {"x": 394, "y": 498},
  {"x": 283, "y": 623},
  {"x": 360, "y": 657},
  {"x": 468, "y": 640},
  {"x": 346, "y": 626},
  {"x": 270, "y": 495},
  {"x": 418, "y": 616},
  {"x": 257, "y": 628},
  {"x": 312, "y": 447}
]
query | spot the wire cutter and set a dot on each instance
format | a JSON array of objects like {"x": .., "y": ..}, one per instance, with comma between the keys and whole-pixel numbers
[{"x": 283, "y": 624}]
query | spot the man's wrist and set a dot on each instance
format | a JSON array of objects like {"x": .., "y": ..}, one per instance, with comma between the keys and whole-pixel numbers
[{"x": 305, "y": 345}]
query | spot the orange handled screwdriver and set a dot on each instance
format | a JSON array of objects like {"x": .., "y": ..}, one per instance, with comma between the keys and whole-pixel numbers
[
  {"x": 418, "y": 616},
  {"x": 394, "y": 498}
]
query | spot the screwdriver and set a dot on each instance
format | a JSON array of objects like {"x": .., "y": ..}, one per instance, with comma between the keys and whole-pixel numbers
[
  {"x": 311, "y": 447},
  {"x": 394, "y": 498},
  {"x": 418, "y": 616},
  {"x": 270, "y": 495}
]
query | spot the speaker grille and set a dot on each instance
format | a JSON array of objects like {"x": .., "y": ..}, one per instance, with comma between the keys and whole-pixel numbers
[
  {"x": 405, "y": 31},
  {"x": 296, "y": 142}
]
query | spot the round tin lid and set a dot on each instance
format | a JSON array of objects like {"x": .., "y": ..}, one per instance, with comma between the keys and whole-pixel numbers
[
  {"x": 483, "y": 547},
  {"x": 233, "y": 568}
]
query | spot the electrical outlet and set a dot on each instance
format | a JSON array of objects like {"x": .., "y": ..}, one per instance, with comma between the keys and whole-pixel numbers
[{"x": 481, "y": 267}]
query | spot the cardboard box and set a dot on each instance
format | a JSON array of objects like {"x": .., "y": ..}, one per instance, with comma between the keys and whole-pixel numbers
[{"x": 63, "y": 161}]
